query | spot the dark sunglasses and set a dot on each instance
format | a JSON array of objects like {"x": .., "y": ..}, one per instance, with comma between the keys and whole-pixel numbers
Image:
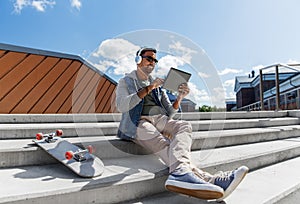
[{"x": 150, "y": 59}]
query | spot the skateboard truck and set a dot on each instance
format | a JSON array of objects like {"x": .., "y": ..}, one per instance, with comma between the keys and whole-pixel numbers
[
  {"x": 49, "y": 136},
  {"x": 80, "y": 154}
]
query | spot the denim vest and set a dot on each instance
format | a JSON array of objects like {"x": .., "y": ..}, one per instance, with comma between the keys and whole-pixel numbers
[{"x": 130, "y": 120}]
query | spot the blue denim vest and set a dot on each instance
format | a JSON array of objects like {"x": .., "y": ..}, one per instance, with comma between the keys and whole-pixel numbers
[{"x": 130, "y": 120}]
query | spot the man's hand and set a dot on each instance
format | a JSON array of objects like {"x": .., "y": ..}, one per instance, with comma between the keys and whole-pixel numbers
[
  {"x": 183, "y": 91},
  {"x": 146, "y": 90},
  {"x": 157, "y": 83}
]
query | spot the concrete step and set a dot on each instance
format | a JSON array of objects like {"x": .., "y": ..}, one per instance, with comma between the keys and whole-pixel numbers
[
  {"x": 29, "y": 130},
  {"x": 24, "y": 152},
  {"x": 132, "y": 177},
  {"x": 221, "y": 138},
  {"x": 234, "y": 115},
  {"x": 242, "y": 123},
  {"x": 116, "y": 117},
  {"x": 279, "y": 183},
  {"x": 269, "y": 185}
]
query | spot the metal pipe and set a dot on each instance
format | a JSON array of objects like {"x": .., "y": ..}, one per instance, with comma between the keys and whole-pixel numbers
[
  {"x": 277, "y": 88},
  {"x": 262, "y": 107}
]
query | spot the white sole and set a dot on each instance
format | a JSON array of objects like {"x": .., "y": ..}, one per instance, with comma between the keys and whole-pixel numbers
[{"x": 202, "y": 191}]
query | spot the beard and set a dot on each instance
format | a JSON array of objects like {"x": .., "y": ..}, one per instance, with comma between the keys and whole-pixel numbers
[{"x": 147, "y": 69}]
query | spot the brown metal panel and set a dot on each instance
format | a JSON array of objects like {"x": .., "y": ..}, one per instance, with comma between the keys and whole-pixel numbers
[
  {"x": 93, "y": 106},
  {"x": 33, "y": 81},
  {"x": 9, "y": 61},
  {"x": 103, "y": 96},
  {"x": 15, "y": 76},
  {"x": 89, "y": 94},
  {"x": 106, "y": 107},
  {"x": 67, "y": 106},
  {"x": 2, "y": 52},
  {"x": 51, "y": 85},
  {"x": 69, "y": 77},
  {"x": 101, "y": 90},
  {"x": 14, "y": 89},
  {"x": 109, "y": 107},
  {"x": 83, "y": 81},
  {"x": 113, "y": 108}
]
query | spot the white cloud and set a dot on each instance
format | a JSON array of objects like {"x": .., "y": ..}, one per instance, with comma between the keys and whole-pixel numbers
[
  {"x": 218, "y": 96},
  {"x": 229, "y": 83},
  {"x": 229, "y": 71},
  {"x": 257, "y": 68},
  {"x": 115, "y": 49},
  {"x": 198, "y": 96},
  {"x": 230, "y": 95},
  {"x": 42, "y": 4},
  {"x": 201, "y": 97},
  {"x": 118, "y": 54},
  {"x": 203, "y": 75},
  {"x": 292, "y": 61},
  {"x": 76, "y": 3},
  {"x": 39, "y": 5},
  {"x": 165, "y": 63},
  {"x": 184, "y": 52},
  {"x": 19, "y": 4}
]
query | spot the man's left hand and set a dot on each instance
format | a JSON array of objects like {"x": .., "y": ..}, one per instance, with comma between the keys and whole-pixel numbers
[{"x": 183, "y": 90}]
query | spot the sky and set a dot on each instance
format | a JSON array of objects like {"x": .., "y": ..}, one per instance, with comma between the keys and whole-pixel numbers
[{"x": 217, "y": 40}]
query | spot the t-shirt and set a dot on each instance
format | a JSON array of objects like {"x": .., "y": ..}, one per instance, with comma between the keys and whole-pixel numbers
[{"x": 149, "y": 107}]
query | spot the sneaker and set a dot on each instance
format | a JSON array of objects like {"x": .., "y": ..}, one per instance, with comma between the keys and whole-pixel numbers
[
  {"x": 190, "y": 184},
  {"x": 229, "y": 180}
]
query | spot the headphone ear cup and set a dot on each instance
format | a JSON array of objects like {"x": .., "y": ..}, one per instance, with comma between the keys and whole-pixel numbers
[{"x": 138, "y": 59}]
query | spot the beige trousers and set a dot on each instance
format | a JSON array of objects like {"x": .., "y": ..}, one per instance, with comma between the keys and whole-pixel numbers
[{"x": 171, "y": 140}]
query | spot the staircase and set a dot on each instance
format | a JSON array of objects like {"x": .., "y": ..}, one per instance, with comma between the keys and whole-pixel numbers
[{"x": 267, "y": 142}]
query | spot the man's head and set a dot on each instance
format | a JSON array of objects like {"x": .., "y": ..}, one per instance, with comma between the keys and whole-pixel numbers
[
  {"x": 146, "y": 60},
  {"x": 141, "y": 53}
]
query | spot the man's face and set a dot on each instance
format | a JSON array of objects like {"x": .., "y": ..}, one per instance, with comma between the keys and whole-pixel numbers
[{"x": 148, "y": 62}]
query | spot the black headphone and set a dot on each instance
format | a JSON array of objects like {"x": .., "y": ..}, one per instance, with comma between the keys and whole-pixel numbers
[{"x": 138, "y": 58}]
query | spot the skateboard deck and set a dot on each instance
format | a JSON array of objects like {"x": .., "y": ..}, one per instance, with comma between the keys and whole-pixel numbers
[{"x": 79, "y": 160}]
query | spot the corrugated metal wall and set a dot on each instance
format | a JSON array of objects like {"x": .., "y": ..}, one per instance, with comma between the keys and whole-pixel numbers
[{"x": 31, "y": 82}]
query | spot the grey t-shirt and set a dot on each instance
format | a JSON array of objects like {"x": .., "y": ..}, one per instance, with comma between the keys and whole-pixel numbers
[{"x": 150, "y": 107}]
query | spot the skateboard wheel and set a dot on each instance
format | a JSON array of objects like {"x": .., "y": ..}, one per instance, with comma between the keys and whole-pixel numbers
[
  {"x": 69, "y": 155},
  {"x": 39, "y": 136},
  {"x": 91, "y": 149},
  {"x": 59, "y": 132}
]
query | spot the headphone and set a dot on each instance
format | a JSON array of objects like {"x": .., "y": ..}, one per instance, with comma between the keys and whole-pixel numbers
[{"x": 138, "y": 57}]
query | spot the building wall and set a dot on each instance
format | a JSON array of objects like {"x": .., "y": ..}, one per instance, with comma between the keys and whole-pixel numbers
[
  {"x": 40, "y": 83},
  {"x": 187, "y": 107},
  {"x": 229, "y": 106},
  {"x": 244, "y": 97},
  {"x": 266, "y": 86}
]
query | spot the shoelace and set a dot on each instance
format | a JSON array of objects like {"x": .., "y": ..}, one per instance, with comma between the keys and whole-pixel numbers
[
  {"x": 223, "y": 176},
  {"x": 200, "y": 175}
]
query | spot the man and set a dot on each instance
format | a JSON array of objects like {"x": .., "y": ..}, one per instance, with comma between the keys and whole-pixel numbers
[{"x": 147, "y": 120}]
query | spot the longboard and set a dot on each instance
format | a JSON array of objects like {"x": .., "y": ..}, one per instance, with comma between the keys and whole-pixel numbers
[{"x": 80, "y": 161}]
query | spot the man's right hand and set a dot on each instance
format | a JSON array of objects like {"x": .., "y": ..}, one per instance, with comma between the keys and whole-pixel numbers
[{"x": 157, "y": 83}]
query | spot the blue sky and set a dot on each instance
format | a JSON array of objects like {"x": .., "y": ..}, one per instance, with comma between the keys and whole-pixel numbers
[{"x": 236, "y": 35}]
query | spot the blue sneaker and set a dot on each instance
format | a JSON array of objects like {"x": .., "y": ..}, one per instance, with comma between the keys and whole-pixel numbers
[
  {"x": 190, "y": 184},
  {"x": 229, "y": 180}
]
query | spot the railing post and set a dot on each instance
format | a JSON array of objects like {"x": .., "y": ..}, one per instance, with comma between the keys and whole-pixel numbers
[
  {"x": 262, "y": 107},
  {"x": 277, "y": 88}
]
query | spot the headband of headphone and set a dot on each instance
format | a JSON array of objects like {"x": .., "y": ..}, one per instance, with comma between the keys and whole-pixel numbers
[{"x": 138, "y": 58}]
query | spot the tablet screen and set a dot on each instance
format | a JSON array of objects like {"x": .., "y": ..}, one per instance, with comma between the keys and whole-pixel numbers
[{"x": 174, "y": 78}]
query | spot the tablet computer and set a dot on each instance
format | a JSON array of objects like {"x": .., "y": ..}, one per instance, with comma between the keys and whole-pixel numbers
[{"x": 174, "y": 78}]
